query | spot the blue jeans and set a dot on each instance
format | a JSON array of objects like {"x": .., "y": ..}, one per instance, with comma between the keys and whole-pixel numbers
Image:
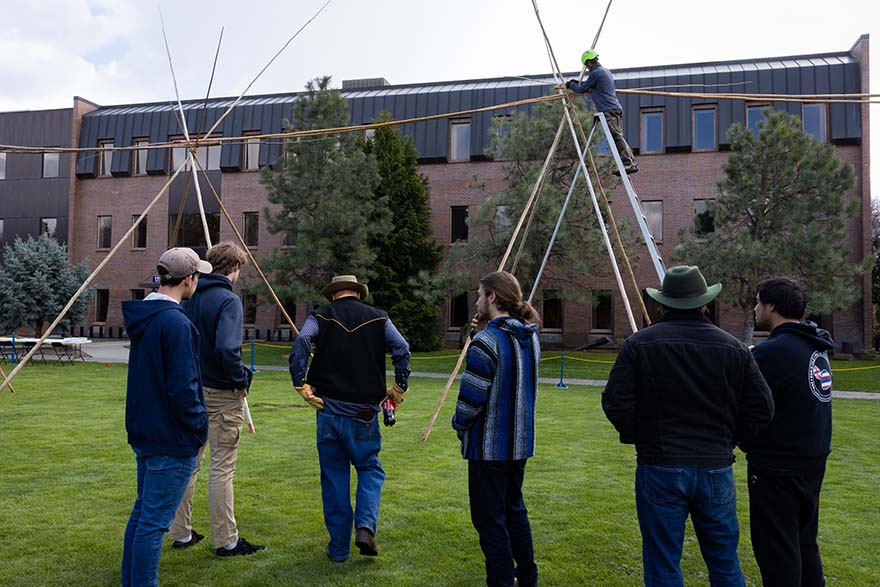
[
  {"x": 344, "y": 441},
  {"x": 664, "y": 498},
  {"x": 161, "y": 481}
]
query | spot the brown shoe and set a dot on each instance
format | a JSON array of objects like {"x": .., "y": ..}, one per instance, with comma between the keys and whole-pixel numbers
[{"x": 366, "y": 543}]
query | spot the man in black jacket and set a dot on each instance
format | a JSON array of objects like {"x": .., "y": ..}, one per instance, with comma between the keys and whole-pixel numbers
[
  {"x": 787, "y": 459},
  {"x": 684, "y": 391},
  {"x": 346, "y": 384},
  {"x": 216, "y": 312}
]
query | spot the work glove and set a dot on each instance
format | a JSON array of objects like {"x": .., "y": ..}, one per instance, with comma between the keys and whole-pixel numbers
[
  {"x": 308, "y": 393},
  {"x": 395, "y": 393},
  {"x": 570, "y": 83}
]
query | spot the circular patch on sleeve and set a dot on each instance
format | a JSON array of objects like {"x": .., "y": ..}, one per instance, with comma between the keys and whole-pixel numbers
[{"x": 820, "y": 376}]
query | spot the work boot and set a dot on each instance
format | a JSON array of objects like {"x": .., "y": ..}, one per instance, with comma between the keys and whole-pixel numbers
[
  {"x": 242, "y": 548},
  {"x": 366, "y": 543},
  {"x": 195, "y": 539}
]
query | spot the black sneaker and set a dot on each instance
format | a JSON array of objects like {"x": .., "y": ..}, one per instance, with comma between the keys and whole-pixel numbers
[
  {"x": 196, "y": 538},
  {"x": 243, "y": 548},
  {"x": 632, "y": 169}
]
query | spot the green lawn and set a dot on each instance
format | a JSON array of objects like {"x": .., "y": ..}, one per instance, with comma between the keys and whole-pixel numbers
[
  {"x": 67, "y": 480},
  {"x": 848, "y": 375}
]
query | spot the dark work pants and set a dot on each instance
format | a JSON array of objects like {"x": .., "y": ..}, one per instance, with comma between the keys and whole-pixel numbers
[
  {"x": 784, "y": 512},
  {"x": 615, "y": 125},
  {"x": 502, "y": 521}
]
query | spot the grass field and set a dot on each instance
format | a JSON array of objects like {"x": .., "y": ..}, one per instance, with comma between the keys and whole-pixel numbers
[
  {"x": 67, "y": 480},
  {"x": 848, "y": 375}
]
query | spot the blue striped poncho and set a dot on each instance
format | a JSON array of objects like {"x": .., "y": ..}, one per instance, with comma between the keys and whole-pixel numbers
[{"x": 495, "y": 413}]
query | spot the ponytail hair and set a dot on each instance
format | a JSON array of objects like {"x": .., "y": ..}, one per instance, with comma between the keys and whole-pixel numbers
[{"x": 508, "y": 296}]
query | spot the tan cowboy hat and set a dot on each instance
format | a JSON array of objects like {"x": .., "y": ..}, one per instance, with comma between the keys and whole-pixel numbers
[
  {"x": 684, "y": 288},
  {"x": 340, "y": 282}
]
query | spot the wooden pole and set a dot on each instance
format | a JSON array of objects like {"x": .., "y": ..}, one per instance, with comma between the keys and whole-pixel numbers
[{"x": 88, "y": 280}]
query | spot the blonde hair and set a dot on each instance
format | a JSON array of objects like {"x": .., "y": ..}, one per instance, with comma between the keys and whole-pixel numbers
[
  {"x": 508, "y": 296},
  {"x": 225, "y": 256}
]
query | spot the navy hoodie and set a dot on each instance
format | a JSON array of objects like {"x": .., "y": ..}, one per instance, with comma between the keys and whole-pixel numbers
[
  {"x": 794, "y": 361},
  {"x": 217, "y": 314},
  {"x": 164, "y": 407}
]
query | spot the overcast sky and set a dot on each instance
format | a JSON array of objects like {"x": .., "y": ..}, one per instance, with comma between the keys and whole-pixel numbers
[{"x": 111, "y": 51}]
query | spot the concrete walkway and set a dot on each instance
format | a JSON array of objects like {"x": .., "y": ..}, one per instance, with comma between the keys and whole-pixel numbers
[{"x": 116, "y": 351}]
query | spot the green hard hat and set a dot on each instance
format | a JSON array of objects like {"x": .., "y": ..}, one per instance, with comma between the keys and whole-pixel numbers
[{"x": 589, "y": 55}]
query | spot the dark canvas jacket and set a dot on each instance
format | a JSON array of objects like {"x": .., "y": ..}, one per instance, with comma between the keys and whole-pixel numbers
[
  {"x": 349, "y": 361},
  {"x": 684, "y": 391},
  {"x": 794, "y": 361}
]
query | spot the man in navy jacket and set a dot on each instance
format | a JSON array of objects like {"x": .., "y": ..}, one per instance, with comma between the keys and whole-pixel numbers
[
  {"x": 217, "y": 313},
  {"x": 787, "y": 458},
  {"x": 600, "y": 85},
  {"x": 164, "y": 409}
]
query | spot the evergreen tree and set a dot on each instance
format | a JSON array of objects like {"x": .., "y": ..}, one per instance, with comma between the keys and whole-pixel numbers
[
  {"x": 408, "y": 257},
  {"x": 36, "y": 281},
  {"x": 781, "y": 210},
  {"x": 323, "y": 192},
  {"x": 579, "y": 255}
]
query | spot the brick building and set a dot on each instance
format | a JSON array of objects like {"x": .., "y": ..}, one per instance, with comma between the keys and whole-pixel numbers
[{"x": 89, "y": 201}]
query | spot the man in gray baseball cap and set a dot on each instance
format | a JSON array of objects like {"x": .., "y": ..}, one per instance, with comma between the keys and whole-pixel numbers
[{"x": 165, "y": 413}]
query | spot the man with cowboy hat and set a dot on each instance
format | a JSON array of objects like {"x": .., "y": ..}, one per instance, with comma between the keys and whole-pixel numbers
[
  {"x": 684, "y": 392},
  {"x": 346, "y": 385}
]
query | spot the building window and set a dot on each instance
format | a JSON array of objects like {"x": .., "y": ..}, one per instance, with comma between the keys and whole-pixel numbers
[
  {"x": 105, "y": 232},
  {"x": 459, "y": 311},
  {"x": 816, "y": 121},
  {"x": 2, "y": 165},
  {"x": 654, "y": 216},
  {"x": 251, "y": 224},
  {"x": 50, "y": 164},
  {"x": 105, "y": 158},
  {"x": 459, "y": 228},
  {"x": 754, "y": 117},
  {"x": 705, "y": 129},
  {"x": 139, "y": 157},
  {"x": 249, "y": 304},
  {"x": 136, "y": 294},
  {"x": 139, "y": 236},
  {"x": 655, "y": 310},
  {"x": 460, "y": 139},
  {"x": 192, "y": 233},
  {"x": 48, "y": 226},
  {"x": 102, "y": 302},
  {"x": 1, "y": 232},
  {"x": 209, "y": 157},
  {"x": 178, "y": 154},
  {"x": 652, "y": 132},
  {"x": 603, "y": 312},
  {"x": 704, "y": 216},
  {"x": 290, "y": 305},
  {"x": 369, "y": 133},
  {"x": 551, "y": 309},
  {"x": 251, "y": 154}
]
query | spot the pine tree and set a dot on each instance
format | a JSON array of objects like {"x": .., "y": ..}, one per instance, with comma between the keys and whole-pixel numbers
[
  {"x": 324, "y": 203},
  {"x": 408, "y": 257},
  {"x": 579, "y": 255},
  {"x": 36, "y": 281},
  {"x": 781, "y": 210}
]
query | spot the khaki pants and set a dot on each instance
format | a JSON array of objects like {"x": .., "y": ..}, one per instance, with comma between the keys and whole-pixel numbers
[
  {"x": 225, "y": 418},
  {"x": 615, "y": 125}
]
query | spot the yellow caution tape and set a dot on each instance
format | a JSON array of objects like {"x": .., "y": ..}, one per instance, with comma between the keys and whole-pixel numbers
[{"x": 838, "y": 370}]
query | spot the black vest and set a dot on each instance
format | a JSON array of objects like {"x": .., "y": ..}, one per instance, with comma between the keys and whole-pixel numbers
[{"x": 349, "y": 361}]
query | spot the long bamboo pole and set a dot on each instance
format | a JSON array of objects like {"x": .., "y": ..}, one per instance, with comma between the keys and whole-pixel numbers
[
  {"x": 247, "y": 250},
  {"x": 88, "y": 281},
  {"x": 3, "y": 374}
]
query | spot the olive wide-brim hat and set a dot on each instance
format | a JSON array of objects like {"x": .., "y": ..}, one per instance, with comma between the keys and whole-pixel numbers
[
  {"x": 684, "y": 288},
  {"x": 340, "y": 282}
]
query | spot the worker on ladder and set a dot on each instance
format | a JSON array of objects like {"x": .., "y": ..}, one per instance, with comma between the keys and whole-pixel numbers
[{"x": 600, "y": 85}]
